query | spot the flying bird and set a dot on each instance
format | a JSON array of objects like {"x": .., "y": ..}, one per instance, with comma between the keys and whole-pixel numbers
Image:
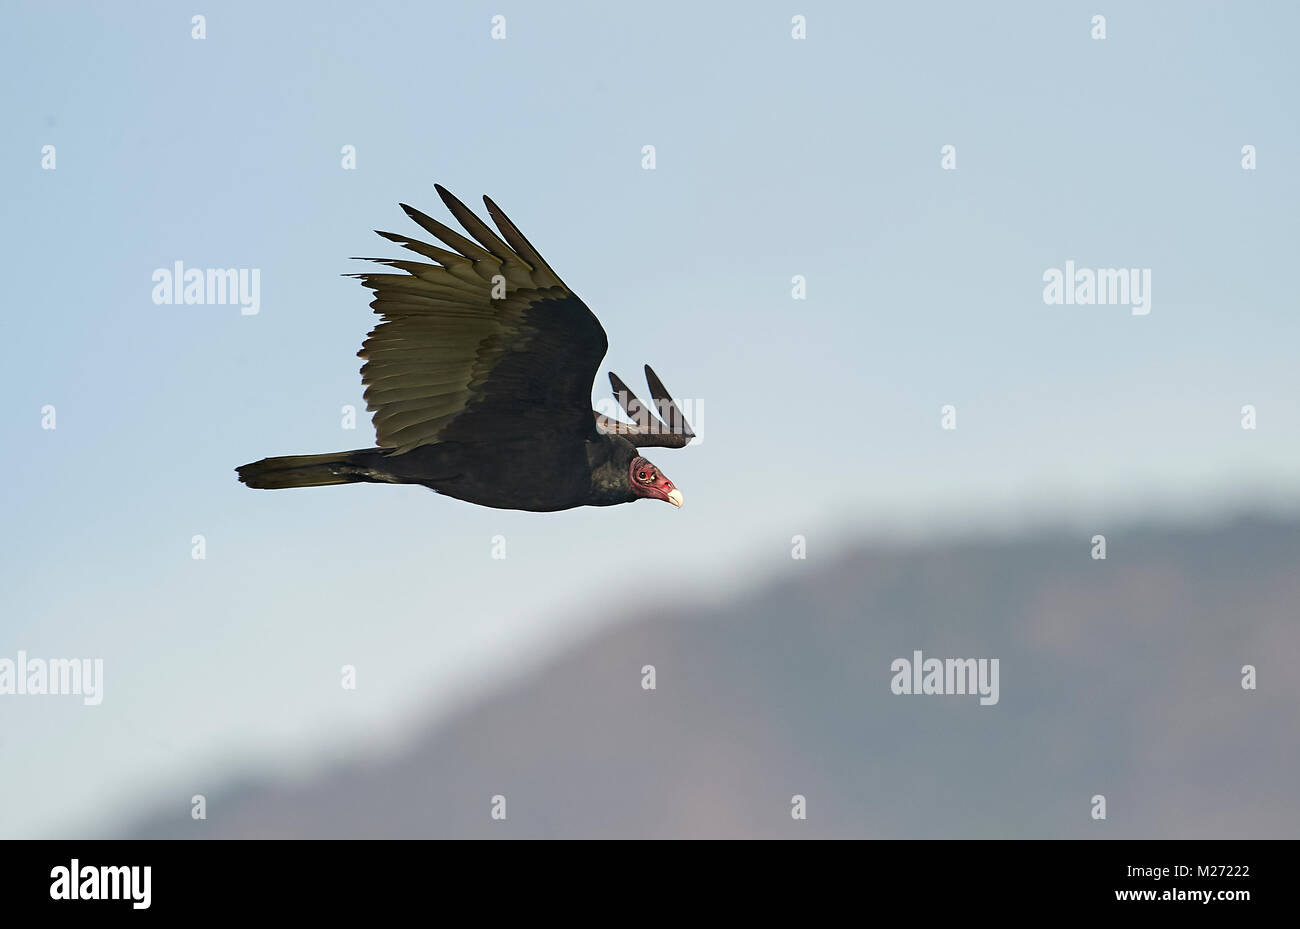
[{"x": 479, "y": 379}]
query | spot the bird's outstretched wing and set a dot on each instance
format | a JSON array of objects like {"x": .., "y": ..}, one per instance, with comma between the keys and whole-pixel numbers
[
  {"x": 485, "y": 344},
  {"x": 667, "y": 430}
]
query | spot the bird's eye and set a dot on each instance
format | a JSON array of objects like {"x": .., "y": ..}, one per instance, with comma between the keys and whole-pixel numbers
[{"x": 641, "y": 475}]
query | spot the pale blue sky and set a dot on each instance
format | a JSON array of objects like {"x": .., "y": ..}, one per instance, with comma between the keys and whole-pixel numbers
[{"x": 775, "y": 158}]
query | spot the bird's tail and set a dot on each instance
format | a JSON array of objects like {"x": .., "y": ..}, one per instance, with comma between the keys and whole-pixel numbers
[{"x": 308, "y": 470}]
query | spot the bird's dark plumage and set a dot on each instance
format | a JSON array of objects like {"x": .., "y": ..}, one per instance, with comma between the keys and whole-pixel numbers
[{"x": 479, "y": 379}]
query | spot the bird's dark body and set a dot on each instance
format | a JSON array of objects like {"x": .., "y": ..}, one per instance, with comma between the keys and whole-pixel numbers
[
  {"x": 479, "y": 380},
  {"x": 593, "y": 472}
]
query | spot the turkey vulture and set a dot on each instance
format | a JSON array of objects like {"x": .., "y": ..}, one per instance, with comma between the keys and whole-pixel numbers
[{"x": 479, "y": 377}]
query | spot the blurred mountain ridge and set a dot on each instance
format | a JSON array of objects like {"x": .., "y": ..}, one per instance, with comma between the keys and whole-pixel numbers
[{"x": 1119, "y": 677}]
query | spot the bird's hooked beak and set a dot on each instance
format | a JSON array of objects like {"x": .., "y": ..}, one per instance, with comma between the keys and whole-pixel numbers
[{"x": 668, "y": 491}]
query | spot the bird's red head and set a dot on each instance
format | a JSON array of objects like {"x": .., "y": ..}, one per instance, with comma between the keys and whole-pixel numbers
[{"x": 649, "y": 481}]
